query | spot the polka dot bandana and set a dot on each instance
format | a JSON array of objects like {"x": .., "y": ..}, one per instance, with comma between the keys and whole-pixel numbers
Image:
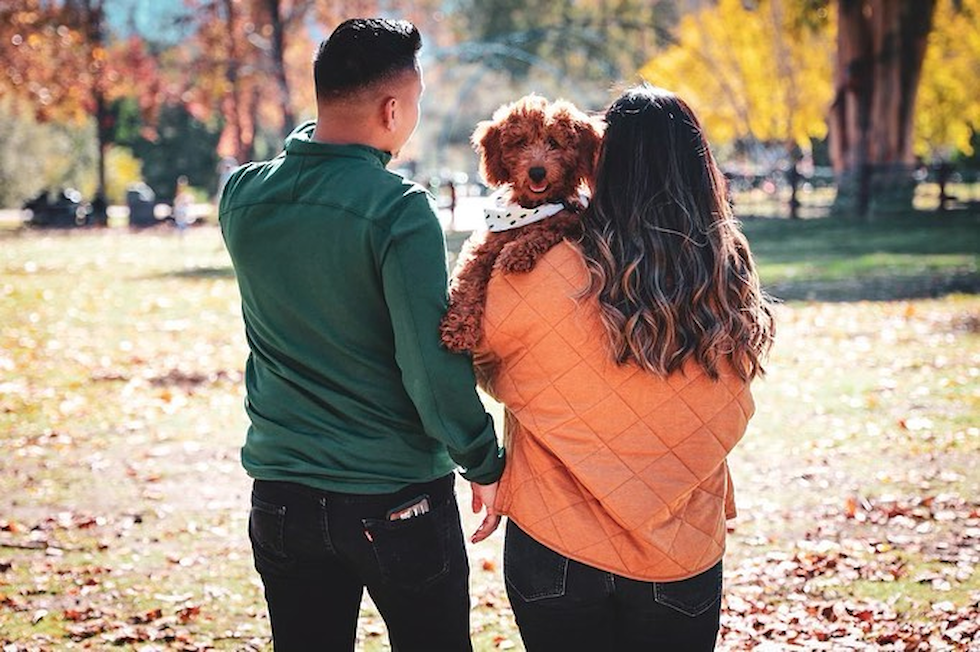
[{"x": 503, "y": 215}]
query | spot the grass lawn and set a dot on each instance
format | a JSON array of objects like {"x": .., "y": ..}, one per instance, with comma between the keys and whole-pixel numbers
[
  {"x": 123, "y": 506},
  {"x": 901, "y": 257}
]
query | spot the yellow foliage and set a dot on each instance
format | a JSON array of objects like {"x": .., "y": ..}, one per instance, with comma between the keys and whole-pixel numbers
[
  {"x": 121, "y": 170},
  {"x": 750, "y": 72},
  {"x": 948, "y": 107}
]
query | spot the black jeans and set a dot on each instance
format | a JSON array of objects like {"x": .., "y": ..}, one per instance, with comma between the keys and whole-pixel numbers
[
  {"x": 561, "y": 604},
  {"x": 317, "y": 550}
]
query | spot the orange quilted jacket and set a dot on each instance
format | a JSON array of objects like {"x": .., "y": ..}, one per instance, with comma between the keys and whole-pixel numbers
[{"x": 607, "y": 464}]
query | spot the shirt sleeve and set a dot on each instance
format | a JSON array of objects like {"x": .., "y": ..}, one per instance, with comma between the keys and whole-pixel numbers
[{"x": 440, "y": 383}]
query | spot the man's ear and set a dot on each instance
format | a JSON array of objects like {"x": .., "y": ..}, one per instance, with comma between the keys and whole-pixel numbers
[
  {"x": 389, "y": 113},
  {"x": 486, "y": 142}
]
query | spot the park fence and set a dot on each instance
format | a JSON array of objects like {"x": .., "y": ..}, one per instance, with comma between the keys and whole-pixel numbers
[{"x": 770, "y": 193}]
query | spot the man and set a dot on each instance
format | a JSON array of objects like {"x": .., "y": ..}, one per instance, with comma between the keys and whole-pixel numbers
[{"x": 358, "y": 415}]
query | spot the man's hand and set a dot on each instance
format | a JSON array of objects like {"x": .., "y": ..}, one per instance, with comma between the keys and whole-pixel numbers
[{"x": 484, "y": 495}]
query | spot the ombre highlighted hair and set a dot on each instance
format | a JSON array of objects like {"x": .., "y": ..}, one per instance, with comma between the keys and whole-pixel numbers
[{"x": 668, "y": 263}]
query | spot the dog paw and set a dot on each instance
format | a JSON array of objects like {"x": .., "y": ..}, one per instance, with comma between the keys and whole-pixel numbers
[{"x": 517, "y": 259}]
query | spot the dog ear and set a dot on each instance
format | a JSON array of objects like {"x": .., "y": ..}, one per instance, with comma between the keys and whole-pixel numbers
[
  {"x": 589, "y": 132},
  {"x": 486, "y": 142}
]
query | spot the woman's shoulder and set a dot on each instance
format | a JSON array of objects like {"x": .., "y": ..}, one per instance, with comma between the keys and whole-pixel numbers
[
  {"x": 558, "y": 273},
  {"x": 565, "y": 259},
  {"x": 551, "y": 287}
]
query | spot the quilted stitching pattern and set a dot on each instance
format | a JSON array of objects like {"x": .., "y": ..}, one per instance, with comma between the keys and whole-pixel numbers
[{"x": 609, "y": 465}]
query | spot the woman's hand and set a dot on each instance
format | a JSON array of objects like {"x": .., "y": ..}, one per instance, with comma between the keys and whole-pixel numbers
[{"x": 484, "y": 495}]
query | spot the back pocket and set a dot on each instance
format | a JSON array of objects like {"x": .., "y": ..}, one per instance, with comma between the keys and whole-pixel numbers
[
  {"x": 533, "y": 570},
  {"x": 414, "y": 552},
  {"x": 693, "y": 596},
  {"x": 266, "y": 530}
]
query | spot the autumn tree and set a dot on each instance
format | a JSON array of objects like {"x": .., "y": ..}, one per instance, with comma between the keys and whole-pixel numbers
[
  {"x": 583, "y": 39},
  {"x": 222, "y": 72},
  {"x": 284, "y": 18},
  {"x": 60, "y": 57},
  {"x": 761, "y": 68},
  {"x": 751, "y": 72},
  {"x": 249, "y": 61},
  {"x": 948, "y": 110}
]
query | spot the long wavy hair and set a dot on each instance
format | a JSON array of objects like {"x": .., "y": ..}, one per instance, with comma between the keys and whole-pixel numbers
[{"x": 671, "y": 269}]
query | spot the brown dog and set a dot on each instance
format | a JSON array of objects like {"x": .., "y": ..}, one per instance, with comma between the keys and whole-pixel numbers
[{"x": 541, "y": 155}]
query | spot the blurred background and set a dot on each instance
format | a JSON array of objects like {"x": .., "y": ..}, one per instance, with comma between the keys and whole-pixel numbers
[{"x": 110, "y": 108}]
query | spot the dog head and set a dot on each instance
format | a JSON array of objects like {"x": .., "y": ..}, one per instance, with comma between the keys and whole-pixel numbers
[{"x": 543, "y": 150}]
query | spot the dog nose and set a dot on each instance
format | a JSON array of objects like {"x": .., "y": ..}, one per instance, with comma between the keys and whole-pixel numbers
[{"x": 536, "y": 174}]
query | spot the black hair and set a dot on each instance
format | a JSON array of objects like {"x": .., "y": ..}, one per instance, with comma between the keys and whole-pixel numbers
[{"x": 362, "y": 52}]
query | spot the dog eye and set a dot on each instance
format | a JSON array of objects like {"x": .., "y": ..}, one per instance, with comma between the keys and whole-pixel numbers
[{"x": 553, "y": 144}]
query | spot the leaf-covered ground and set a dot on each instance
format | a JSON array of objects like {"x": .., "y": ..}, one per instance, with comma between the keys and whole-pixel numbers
[{"x": 123, "y": 506}]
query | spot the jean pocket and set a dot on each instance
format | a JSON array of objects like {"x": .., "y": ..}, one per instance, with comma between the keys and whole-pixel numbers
[
  {"x": 534, "y": 571},
  {"x": 693, "y": 596},
  {"x": 266, "y": 528},
  {"x": 414, "y": 552}
]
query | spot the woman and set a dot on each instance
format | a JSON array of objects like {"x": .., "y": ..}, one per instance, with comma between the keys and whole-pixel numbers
[{"x": 624, "y": 362}]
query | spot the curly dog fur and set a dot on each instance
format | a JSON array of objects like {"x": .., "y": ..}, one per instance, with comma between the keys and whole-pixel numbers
[{"x": 542, "y": 152}]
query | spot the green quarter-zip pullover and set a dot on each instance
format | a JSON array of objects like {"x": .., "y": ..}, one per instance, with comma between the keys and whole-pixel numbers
[{"x": 341, "y": 266}]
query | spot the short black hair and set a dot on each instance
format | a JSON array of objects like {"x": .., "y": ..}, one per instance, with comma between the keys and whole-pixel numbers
[{"x": 361, "y": 52}]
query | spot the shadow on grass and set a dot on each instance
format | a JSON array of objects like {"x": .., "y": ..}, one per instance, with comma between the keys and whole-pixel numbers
[
  {"x": 776, "y": 240},
  {"x": 884, "y": 288},
  {"x": 199, "y": 273},
  {"x": 923, "y": 255}
]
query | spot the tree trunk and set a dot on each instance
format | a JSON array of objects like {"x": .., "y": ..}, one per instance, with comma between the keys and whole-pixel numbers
[
  {"x": 880, "y": 48},
  {"x": 279, "y": 65},
  {"x": 103, "y": 122},
  {"x": 95, "y": 26},
  {"x": 231, "y": 106}
]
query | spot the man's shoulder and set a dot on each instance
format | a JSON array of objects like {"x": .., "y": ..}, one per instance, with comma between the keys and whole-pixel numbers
[
  {"x": 407, "y": 199},
  {"x": 368, "y": 191},
  {"x": 240, "y": 178}
]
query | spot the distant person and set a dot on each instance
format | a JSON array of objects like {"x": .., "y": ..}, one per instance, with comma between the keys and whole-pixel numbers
[
  {"x": 183, "y": 201},
  {"x": 624, "y": 362},
  {"x": 358, "y": 415},
  {"x": 944, "y": 172},
  {"x": 793, "y": 177}
]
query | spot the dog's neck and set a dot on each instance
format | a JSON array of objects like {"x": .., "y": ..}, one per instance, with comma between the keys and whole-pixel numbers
[{"x": 504, "y": 214}]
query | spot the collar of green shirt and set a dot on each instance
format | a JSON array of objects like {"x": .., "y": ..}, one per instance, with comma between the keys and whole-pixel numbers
[{"x": 300, "y": 142}]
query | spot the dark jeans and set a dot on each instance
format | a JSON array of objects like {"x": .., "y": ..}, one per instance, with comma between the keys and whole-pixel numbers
[
  {"x": 317, "y": 550},
  {"x": 561, "y": 604}
]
